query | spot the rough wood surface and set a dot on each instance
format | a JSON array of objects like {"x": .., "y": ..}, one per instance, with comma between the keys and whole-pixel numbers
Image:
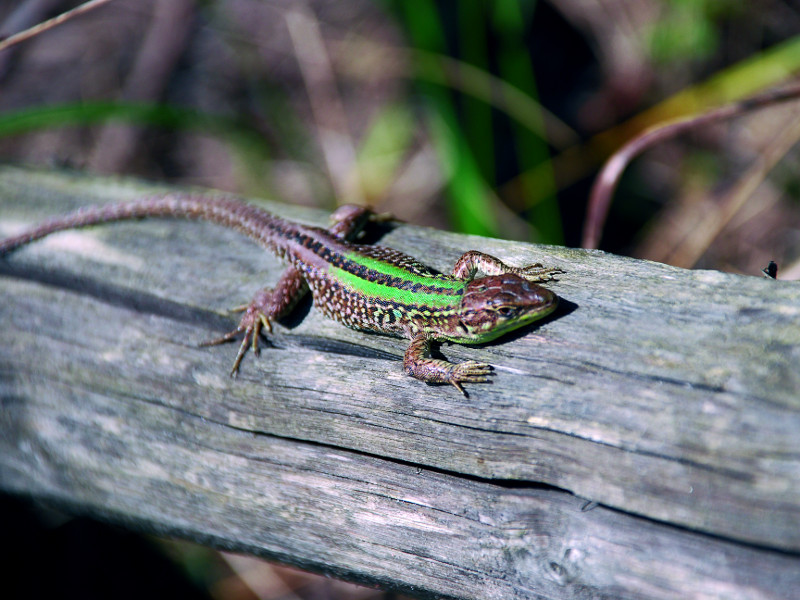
[{"x": 669, "y": 396}]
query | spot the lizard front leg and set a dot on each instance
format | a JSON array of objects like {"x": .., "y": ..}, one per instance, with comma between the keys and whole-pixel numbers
[
  {"x": 418, "y": 364},
  {"x": 473, "y": 261}
]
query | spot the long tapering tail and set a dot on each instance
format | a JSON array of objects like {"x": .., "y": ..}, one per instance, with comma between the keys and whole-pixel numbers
[{"x": 253, "y": 222}]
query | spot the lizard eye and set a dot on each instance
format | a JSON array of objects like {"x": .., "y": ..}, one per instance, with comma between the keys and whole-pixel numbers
[{"x": 505, "y": 311}]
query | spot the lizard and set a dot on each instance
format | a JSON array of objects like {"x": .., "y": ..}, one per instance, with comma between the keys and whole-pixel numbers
[{"x": 365, "y": 287}]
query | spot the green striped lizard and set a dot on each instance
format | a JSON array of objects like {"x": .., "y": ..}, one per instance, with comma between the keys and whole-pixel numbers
[{"x": 364, "y": 287}]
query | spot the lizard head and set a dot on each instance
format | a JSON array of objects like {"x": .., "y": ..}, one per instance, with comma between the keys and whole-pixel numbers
[{"x": 497, "y": 304}]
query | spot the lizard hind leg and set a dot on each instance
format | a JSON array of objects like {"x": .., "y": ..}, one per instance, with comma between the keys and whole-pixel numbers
[
  {"x": 266, "y": 306},
  {"x": 269, "y": 305},
  {"x": 349, "y": 220}
]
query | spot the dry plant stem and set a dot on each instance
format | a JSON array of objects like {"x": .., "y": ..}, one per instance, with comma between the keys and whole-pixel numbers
[
  {"x": 50, "y": 23},
  {"x": 704, "y": 231},
  {"x": 608, "y": 179},
  {"x": 326, "y": 104},
  {"x": 23, "y": 16}
]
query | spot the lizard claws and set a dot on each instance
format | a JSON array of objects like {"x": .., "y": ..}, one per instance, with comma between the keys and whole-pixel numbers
[
  {"x": 469, "y": 372},
  {"x": 252, "y": 322},
  {"x": 538, "y": 273}
]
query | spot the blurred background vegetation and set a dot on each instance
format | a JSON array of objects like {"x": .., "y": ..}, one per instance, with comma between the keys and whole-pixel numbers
[{"x": 487, "y": 117}]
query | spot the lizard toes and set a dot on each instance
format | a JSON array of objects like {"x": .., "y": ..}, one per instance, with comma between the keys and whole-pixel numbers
[
  {"x": 472, "y": 372},
  {"x": 469, "y": 372},
  {"x": 539, "y": 273}
]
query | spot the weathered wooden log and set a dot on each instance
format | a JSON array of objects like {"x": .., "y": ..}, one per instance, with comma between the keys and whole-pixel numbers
[{"x": 669, "y": 397}]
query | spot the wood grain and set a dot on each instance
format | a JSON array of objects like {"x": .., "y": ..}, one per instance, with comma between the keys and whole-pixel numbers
[{"x": 668, "y": 396}]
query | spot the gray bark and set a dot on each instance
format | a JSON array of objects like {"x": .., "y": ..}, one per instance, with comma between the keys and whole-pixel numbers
[{"x": 669, "y": 397}]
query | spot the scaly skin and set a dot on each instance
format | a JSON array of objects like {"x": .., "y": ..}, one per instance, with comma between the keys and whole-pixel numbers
[{"x": 364, "y": 287}]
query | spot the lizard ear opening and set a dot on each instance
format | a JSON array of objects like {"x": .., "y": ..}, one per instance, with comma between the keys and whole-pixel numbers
[{"x": 463, "y": 327}]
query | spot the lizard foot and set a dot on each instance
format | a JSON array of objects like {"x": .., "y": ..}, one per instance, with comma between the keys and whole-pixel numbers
[
  {"x": 253, "y": 321},
  {"x": 469, "y": 372},
  {"x": 538, "y": 273}
]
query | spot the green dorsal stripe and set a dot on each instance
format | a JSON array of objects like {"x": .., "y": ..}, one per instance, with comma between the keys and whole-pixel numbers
[
  {"x": 446, "y": 284},
  {"x": 389, "y": 293}
]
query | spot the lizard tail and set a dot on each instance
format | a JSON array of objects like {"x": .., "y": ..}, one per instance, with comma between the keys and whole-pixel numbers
[{"x": 253, "y": 222}]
